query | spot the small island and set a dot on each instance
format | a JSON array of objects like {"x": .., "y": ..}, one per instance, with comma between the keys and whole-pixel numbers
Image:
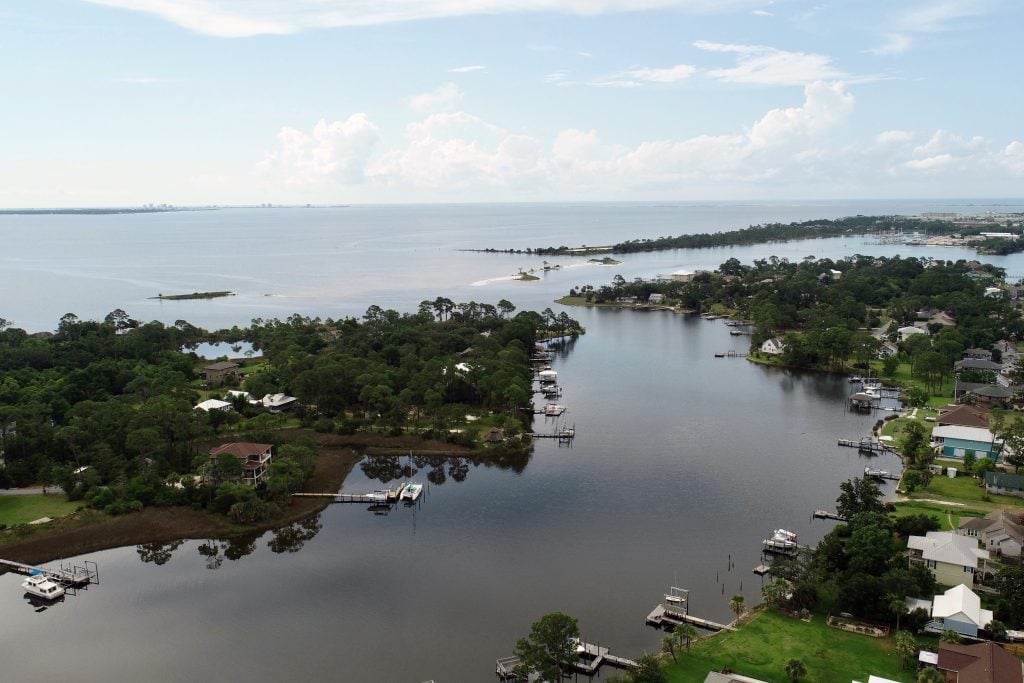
[{"x": 193, "y": 295}]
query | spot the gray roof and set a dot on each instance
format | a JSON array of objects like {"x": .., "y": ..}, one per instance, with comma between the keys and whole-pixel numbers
[
  {"x": 993, "y": 391},
  {"x": 1004, "y": 480},
  {"x": 977, "y": 364}
]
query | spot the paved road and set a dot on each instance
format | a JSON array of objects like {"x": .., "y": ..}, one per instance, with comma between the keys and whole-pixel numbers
[{"x": 30, "y": 491}]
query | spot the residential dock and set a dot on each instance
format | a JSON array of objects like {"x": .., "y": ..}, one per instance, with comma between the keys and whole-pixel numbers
[
  {"x": 867, "y": 445},
  {"x": 382, "y": 496},
  {"x": 69, "y": 576},
  {"x": 591, "y": 657},
  {"x": 825, "y": 514},
  {"x": 874, "y": 473},
  {"x": 662, "y": 617}
]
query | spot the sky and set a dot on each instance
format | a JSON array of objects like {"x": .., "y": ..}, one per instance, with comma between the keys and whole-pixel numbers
[{"x": 197, "y": 102}]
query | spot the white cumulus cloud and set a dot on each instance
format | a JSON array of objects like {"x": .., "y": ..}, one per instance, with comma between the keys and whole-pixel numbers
[
  {"x": 334, "y": 152},
  {"x": 667, "y": 75},
  {"x": 467, "y": 69},
  {"x": 442, "y": 98},
  {"x": 763, "y": 65},
  {"x": 237, "y": 18}
]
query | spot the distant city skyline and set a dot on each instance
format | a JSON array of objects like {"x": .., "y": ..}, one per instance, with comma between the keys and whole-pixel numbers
[{"x": 198, "y": 102}]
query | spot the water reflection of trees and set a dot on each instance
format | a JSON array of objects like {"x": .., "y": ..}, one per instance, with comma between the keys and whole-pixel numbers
[
  {"x": 439, "y": 469},
  {"x": 157, "y": 553},
  {"x": 291, "y": 538},
  {"x": 217, "y": 550}
]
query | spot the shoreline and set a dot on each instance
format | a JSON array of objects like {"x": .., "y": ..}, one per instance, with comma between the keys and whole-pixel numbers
[{"x": 89, "y": 531}]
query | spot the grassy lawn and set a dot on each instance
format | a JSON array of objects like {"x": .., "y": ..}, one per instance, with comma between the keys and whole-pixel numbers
[
  {"x": 965, "y": 489},
  {"x": 763, "y": 645},
  {"x": 949, "y": 516},
  {"x": 22, "y": 509}
]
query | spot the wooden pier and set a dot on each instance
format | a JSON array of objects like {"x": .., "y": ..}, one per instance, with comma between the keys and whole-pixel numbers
[
  {"x": 590, "y": 658},
  {"x": 382, "y": 496},
  {"x": 74, "y": 576},
  {"x": 866, "y": 445},
  {"x": 563, "y": 435},
  {"x": 880, "y": 474},
  {"x": 825, "y": 514},
  {"x": 662, "y": 617}
]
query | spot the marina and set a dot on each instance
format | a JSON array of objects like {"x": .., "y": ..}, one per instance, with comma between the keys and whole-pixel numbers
[
  {"x": 67, "y": 576},
  {"x": 380, "y": 496}
]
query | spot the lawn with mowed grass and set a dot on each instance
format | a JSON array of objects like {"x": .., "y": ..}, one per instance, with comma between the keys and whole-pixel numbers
[
  {"x": 966, "y": 489},
  {"x": 949, "y": 516},
  {"x": 762, "y": 646},
  {"x": 22, "y": 509}
]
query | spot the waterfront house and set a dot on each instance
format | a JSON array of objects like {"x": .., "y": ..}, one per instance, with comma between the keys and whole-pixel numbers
[
  {"x": 991, "y": 394},
  {"x": 715, "y": 677},
  {"x": 773, "y": 346},
  {"x": 980, "y": 354},
  {"x": 1005, "y": 484},
  {"x": 220, "y": 372},
  {"x": 909, "y": 331},
  {"x": 979, "y": 663},
  {"x": 278, "y": 403},
  {"x": 656, "y": 298},
  {"x": 233, "y": 394},
  {"x": 963, "y": 416},
  {"x": 954, "y": 441},
  {"x": 961, "y": 389},
  {"x": 683, "y": 276},
  {"x": 976, "y": 364},
  {"x": 952, "y": 559},
  {"x": 212, "y": 404},
  {"x": 999, "y": 532},
  {"x": 958, "y": 609},
  {"x": 255, "y": 459},
  {"x": 887, "y": 349}
]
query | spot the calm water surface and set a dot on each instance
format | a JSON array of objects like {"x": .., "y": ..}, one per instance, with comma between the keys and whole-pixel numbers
[{"x": 682, "y": 462}]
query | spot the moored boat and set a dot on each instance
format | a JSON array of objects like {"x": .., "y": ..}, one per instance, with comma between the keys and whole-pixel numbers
[
  {"x": 42, "y": 586},
  {"x": 411, "y": 492}
]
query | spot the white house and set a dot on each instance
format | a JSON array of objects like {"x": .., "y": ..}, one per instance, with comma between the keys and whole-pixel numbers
[
  {"x": 277, "y": 403},
  {"x": 958, "y": 609},
  {"x": 887, "y": 349},
  {"x": 682, "y": 275},
  {"x": 213, "y": 404},
  {"x": 999, "y": 531},
  {"x": 656, "y": 298},
  {"x": 907, "y": 332},
  {"x": 773, "y": 346},
  {"x": 951, "y": 558}
]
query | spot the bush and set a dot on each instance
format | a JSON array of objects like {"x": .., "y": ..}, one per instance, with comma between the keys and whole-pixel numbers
[{"x": 324, "y": 425}]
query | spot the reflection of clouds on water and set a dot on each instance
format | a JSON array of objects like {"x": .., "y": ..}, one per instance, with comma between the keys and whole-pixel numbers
[{"x": 481, "y": 283}]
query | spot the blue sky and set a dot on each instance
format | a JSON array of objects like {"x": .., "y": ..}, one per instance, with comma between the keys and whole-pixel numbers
[{"x": 123, "y": 102}]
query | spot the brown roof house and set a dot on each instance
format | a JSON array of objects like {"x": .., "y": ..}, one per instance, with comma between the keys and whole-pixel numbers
[
  {"x": 981, "y": 663},
  {"x": 219, "y": 373},
  {"x": 255, "y": 459},
  {"x": 963, "y": 416},
  {"x": 494, "y": 435}
]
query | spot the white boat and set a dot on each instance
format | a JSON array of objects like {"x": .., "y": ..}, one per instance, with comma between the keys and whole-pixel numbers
[
  {"x": 41, "y": 586},
  {"x": 873, "y": 392},
  {"x": 547, "y": 376},
  {"x": 783, "y": 535},
  {"x": 674, "y": 599},
  {"x": 411, "y": 492},
  {"x": 554, "y": 409}
]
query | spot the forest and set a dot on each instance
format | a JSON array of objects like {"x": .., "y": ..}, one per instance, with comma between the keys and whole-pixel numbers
[{"x": 106, "y": 409}]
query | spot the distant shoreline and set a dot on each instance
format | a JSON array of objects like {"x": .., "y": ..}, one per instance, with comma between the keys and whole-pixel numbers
[{"x": 193, "y": 295}]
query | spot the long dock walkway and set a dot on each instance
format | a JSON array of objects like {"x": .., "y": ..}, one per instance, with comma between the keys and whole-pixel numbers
[
  {"x": 660, "y": 616},
  {"x": 70, "y": 575},
  {"x": 382, "y": 496}
]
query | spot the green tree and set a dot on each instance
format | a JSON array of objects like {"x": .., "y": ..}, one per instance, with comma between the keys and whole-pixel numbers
[
  {"x": 668, "y": 644},
  {"x": 648, "y": 670},
  {"x": 736, "y": 605},
  {"x": 930, "y": 674},
  {"x": 997, "y": 629},
  {"x": 685, "y": 634},
  {"x": 906, "y": 647},
  {"x": 549, "y": 649},
  {"x": 795, "y": 669},
  {"x": 897, "y": 607},
  {"x": 950, "y": 636},
  {"x": 858, "y": 495}
]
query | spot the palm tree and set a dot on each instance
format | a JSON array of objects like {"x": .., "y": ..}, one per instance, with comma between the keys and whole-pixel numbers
[
  {"x": 906, "y": 647},
  {"x": 668, "y": 644},
  {"x": 897, "y": 606},
  {"x": 685, "y": 633},
  {"x": 736, "y": 605},
  {"x": 929, "y": 675},
  {"x": 795, "y": 669}
]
